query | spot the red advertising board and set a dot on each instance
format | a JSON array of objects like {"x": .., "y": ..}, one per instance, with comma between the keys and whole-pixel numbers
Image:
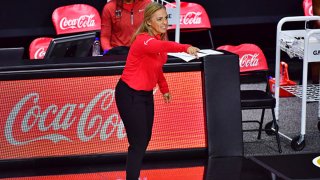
[
  {"x": 78, "y": 116},
  {"x": 188, "y": 173}
]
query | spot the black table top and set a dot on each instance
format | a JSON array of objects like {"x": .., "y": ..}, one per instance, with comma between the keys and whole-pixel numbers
[
  {"x": 294, "y": 166},
  {"x": 85, "y": 66}
]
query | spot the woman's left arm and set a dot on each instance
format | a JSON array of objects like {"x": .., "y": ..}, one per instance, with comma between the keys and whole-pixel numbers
[
  {"x": 163, "y": 86},
  {"x": 162, "y": 82}
]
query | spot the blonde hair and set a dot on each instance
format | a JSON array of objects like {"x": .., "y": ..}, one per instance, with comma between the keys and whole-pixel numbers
[{"x": 148, "y": 12}]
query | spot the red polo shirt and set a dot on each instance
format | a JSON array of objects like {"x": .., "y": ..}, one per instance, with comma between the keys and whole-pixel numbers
[
  {"x": 147, "y": 55},
  {"x": 118, "y": 25}
]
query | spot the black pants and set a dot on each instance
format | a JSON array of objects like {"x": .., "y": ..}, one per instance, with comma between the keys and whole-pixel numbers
[{"x": 136, "y": 110}]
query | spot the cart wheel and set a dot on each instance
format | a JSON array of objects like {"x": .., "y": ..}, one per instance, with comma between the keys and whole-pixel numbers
[
  {"x": 296, "y": 146},
  {"x": 319, "y": 125},
  {"x": 268, "y": 129}
]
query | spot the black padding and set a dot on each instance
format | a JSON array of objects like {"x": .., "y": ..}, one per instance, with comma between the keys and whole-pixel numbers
[
  {"x": 222, "y": 105},
  {"x": 256, "y": 99}
]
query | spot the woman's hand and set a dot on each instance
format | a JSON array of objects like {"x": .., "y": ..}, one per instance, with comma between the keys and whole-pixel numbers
[
  {"x": 167, "y": 97},
  {"x": 193, "y": 51}
]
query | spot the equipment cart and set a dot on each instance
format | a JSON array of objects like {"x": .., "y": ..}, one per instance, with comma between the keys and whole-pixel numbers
[{"x": 305, "y": 44}]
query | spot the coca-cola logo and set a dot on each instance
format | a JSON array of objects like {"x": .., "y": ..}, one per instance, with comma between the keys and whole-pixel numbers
[
  {"x": 83, "y": 21},
  {"x": 191, "y": 18},
  {"x": 28, "y": 116},
  {"x": 249, "y": 60},
  {"x": 40, "y": 53}
]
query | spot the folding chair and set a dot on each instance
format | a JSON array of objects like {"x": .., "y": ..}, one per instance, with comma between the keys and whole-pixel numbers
[
  {"x": 193, "y": 20},
  {"x": 307, "y": 7},
  {"x": 76, "y": 18},
  {"x": 38, "y": 47},
  {"x": 254, "y": 69},
  {"x": 70, "y": 19}
]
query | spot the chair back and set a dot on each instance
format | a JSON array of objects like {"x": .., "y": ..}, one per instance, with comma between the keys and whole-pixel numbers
[
  {"x": 38, "y": 47},
  {"x": 76, "y": 18},
  {"x": 192, "y": 17},
  {"x": 251, "y": 57},
  {"x": 307, "y": 7}
]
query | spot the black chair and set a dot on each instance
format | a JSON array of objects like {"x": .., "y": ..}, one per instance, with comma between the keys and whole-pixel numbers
[
  {"x": 260, "y": 99},
  {"x": 253, "y": 70}
]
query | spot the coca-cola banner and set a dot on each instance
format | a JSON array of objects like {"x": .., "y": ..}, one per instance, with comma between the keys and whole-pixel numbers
[
  {"x": 187, "y": 173},
  {"x": 192, "y": 16},
  {"x": 251, "y": 57},
  {"x": 76, "y": 18},
  {"x": 78, "y": 116},
  {"x": 307, "y": 7},
  {"x": 38, "y": 47}
]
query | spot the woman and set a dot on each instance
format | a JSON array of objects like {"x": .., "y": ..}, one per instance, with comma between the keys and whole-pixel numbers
[
  {"x": 120, "y": 19},
  {"x": 143, "y": 70}
]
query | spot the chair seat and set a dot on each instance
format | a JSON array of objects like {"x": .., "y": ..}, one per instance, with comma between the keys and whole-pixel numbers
[{"x": 256, "y": 99}]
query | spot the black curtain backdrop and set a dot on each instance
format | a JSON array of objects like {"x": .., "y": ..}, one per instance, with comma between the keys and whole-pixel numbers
[
  {"x": 33, "y": 17},
  {"x": 233, "y": 12},
  {"x": 233, "y": 21}
]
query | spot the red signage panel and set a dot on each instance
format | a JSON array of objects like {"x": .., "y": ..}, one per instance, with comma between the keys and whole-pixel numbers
[
  {"x": 188, "y": 173},
  {"x": 78, "y": 116}
]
